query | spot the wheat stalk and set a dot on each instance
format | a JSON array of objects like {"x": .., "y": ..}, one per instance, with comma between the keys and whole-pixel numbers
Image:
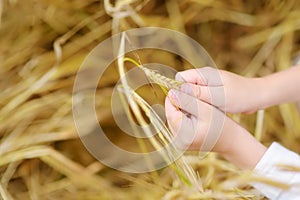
[{"x": 183, "y": 170}]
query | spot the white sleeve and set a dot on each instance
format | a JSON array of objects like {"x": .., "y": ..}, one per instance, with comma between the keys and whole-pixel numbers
[{"x": 268, "y": 168}]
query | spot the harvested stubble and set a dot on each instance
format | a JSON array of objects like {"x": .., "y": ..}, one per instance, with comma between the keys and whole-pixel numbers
[{"x": 42, "y": 44}]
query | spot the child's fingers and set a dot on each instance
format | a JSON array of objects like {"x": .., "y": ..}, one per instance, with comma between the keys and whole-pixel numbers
[
  {"x": 198, "y": 91},
  {"x": 173, "y": 115},
  {"x": 214, "y": 95},
  {"x": 188, "y": 104},
  {"x": 182, "y": 126},
  {"x": 191, "y": 76},
  {"x": 201, "y": 76},
  {"x": 171, "y": 110}
]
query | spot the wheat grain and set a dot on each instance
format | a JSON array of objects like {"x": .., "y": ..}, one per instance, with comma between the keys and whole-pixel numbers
[{"x": 161, "y": 80}]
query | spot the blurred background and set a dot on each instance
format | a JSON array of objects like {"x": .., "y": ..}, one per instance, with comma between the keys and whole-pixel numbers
[{"x": 42, "y": 45}]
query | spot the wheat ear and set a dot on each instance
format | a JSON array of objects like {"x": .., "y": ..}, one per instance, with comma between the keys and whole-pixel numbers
[{"x": 164, "y": 82}]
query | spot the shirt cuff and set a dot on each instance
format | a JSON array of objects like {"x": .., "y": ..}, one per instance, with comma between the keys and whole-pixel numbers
[{"x": 268, "y": 167}]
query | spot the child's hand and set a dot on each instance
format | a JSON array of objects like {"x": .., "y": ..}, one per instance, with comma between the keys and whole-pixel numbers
[
  {"x": 227, "y": 91},
  {"x": 200, "y": 126},
  {"x": 193, "y": 120}
]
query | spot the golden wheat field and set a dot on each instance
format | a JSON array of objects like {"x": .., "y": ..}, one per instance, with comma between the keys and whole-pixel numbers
[{"x": 42, "y": 46}]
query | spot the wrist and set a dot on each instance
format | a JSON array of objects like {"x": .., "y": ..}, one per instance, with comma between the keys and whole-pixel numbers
[
  {"x": 240, "y": 147},
  {"x": 280, "y": 87},
  {"x": 264, "y": 95}
]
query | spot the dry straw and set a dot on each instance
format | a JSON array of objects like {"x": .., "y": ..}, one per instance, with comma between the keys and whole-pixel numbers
[
  {"x": 183, "y": 170},
  {"x": 42, "y": 46}
]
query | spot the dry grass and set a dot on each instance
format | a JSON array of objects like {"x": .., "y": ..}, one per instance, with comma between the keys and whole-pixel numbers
[{"x": 42, "y": 44}]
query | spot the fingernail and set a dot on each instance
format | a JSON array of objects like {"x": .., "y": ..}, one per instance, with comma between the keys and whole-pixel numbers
[
  {"x": 186, "y": 88},
  {"x": 173, "y": 95},
  {"x": 178, "y": 77}
]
